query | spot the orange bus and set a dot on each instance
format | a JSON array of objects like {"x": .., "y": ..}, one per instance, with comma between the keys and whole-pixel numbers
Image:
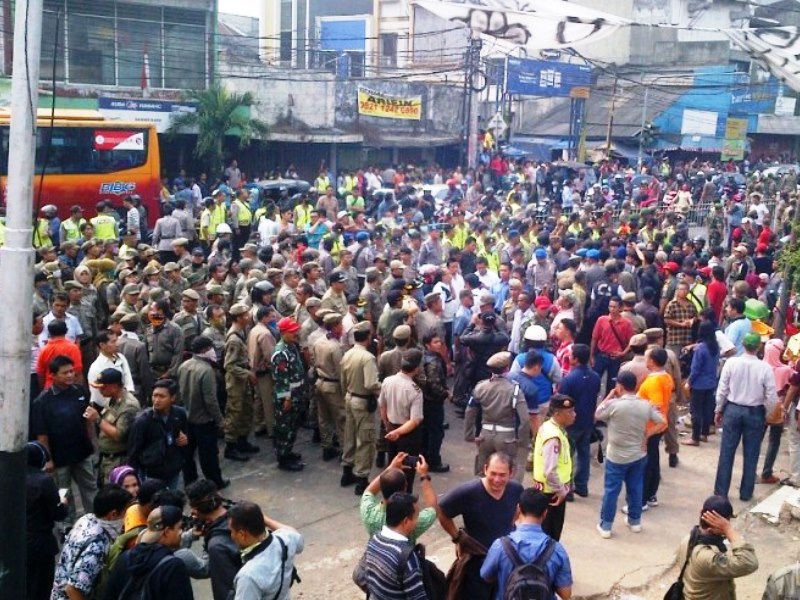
[{"x": 89, "y": 158}]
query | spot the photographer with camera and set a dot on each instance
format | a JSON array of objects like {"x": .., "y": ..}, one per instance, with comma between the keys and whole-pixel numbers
[
  {"x": 211, "y": 523},
  {"x": 393, "y": 479},
  {"x": 400, "y": 404}
]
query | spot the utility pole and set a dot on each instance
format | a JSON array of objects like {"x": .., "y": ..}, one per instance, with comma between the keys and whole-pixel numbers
[
  {"x": 788, "y": 279},
  {"x": 611, "y": 118},
  {"x": 16, "y": 281},
  {"x": 469, "y": 127},
  {"x": 644, "y": 120}
]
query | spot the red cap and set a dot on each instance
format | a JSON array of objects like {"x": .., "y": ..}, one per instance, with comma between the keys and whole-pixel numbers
[
  {"x": 672, "y": 266},
  {"x": 542, "y": 302},
  {"x": 761, "y": 248},
  {"x": 705, "y": 271},
  {"x": 288, "y": 325}
]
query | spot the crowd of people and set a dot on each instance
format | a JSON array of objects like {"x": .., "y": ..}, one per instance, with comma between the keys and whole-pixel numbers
[{"x": 244, "y": 318}]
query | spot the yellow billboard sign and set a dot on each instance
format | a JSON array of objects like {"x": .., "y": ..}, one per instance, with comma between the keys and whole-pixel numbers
[{"x": 378, "y": 104}]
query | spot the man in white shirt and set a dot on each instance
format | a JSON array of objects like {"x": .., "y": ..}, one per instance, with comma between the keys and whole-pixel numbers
[
  {"x": 745, "y": 395},
  {"x": 58, "y": 311},
  {"x": 109, "y": 358}
]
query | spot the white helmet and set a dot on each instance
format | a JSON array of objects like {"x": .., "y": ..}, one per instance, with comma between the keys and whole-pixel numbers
[
  {"x": 535, "y": 333},
  {"x": 223, "y": 228}
]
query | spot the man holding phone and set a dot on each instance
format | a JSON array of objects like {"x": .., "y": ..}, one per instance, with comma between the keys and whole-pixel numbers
[{"x": 400, "y": 403}]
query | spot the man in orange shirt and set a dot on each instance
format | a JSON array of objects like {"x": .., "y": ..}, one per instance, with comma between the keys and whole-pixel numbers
[
  {"x": 57, "y": 345},
  {"x": 657, "y": 389}
]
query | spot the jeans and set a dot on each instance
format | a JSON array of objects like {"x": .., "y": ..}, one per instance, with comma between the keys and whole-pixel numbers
[
  {"x": 603, "y": 363},
  {"x": 633, "y": 475},
  {"x": 702, "y": 410},
  {"x": 740, "y": 424},
  {"x": 652, "y": 469},
  {"x": 432, "y": 431},
  {"x": 773, "y": 446},
  {"x": 580, "y": 442},
  {"x": 203, "y": 440}
]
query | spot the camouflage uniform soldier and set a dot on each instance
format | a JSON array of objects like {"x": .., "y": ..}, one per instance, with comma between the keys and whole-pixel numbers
[
  {"x": 289, "y": 373},
  {"x": 239, "y": 379}
]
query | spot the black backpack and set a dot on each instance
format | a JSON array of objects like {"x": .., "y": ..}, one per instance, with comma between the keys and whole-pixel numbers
[
  {"x": 433, "y": 579},
  {"x": 136, "y": 588},
  {"x": 528, "y": 581}
]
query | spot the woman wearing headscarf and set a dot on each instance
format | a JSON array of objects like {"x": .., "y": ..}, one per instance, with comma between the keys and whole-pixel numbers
[
  {"x": 43, "y": 509},
  {"x": 773, "y": 350}
]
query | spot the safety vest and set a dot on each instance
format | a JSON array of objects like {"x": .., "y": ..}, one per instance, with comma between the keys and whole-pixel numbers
[
  {"x": 548, "y": 431},
  {"x": 492, "y": 259},
  {"x": 104, "y": 227},
  {"x": 41, "y": 235},
  {"x": 322, "y": 184},
  {"x": 218, "y": 216},
  {"x": 244, "y": 215},
  {"x": 350, "y": 183},
  {"x": 302, "y": 216},
  {"x": 2, "y": 233},
  {"x": 697, "y": 295},
  {"x": 73, "y": 229},
  {"x": 460, "y": 236}
]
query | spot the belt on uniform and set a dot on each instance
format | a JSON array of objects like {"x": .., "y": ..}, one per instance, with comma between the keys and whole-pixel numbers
[
  {"x": 497, "y": 428},
  {"x": 329, "y": 380},
  {"x": 360, "y": 396},
  {"x": 113, "y": 454}
]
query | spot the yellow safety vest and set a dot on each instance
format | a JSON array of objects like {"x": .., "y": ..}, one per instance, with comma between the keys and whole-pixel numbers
[
  {"x": 104, "y": 227},
  {"x": 245, "y": 216},
  {"x": 302, "y": 216},
  {"x": 548, "y": 431},
  {"x": 41, "y": 235},
  {"x": 492, "y": 259},
  {"x": 460, "y": 236},
  {"x": 697, "y": 295},
  {"x": 2, "y": 233},
  {"x": 218, "y": 216},
  {"x": 322, "y": 184},
  {"x": 73, "y": 229}
]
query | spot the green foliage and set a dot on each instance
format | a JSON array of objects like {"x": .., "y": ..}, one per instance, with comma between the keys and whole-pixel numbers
[{"x": 220, "y": 113}]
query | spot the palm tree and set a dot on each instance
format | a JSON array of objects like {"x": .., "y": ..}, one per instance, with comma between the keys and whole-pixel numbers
[{"x": 220, "y": 113}]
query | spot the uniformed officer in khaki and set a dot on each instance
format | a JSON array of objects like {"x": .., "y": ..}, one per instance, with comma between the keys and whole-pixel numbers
[
  {"x": 400, "y": 403},
  {"x": 113, "y": 422},
  {"x": 327, "y": 353},
  {"x": 189, "y": 319},
  {"x": 164, "y": 341},
  {"x": 503, "y": 413},
  {"x": 239, "y": 382},
  {"x": 361, "y": 386},
  {"x": 260, "y": 346},
  {"x": 334, "y": 298}
]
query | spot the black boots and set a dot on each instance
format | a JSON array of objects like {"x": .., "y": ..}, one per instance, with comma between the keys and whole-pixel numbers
[
  {"x": 247, "y": 447},
  {"x": 288, "y": 463},
  {"x": 234, "y": 452},
  {"x": 347, "y": 476},
  {"x": 329, "y": 454},
  {"x": 380, "y": 460},
  {"x": 361, "y": 485}
]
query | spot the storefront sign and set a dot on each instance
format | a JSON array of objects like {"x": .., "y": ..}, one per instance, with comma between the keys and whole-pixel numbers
[{"x": 377, "y": 104}]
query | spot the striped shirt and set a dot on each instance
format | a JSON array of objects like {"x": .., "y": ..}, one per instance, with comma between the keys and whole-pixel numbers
[{"x": 386, "y": 579}]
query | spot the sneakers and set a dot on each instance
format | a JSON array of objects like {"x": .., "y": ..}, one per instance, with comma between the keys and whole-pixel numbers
[
  {"x": 673, "y": 460},
  {"x": 768, "y": 479},
  {"x": 604, "y": 533},
  {"x": 625, "y": 509},
  {"x": 633, "y": 528},
  {"x": 652, "y": 501}
]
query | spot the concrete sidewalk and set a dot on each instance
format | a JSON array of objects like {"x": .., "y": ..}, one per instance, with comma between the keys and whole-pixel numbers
[{"x": 641, "y": 565}]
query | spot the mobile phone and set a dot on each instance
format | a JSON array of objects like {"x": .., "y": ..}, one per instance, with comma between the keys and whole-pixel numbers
[{"x": 411, "y": 461}]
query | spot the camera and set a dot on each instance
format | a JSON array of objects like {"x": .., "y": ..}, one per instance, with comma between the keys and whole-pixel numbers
[{"x": 411, "y": 461}]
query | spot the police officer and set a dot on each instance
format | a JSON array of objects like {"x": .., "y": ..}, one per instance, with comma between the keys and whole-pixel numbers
[
  {"x": 552, "y": 461},
  {"x": 334, "y": 298},
  {"x": 400, "y": 402},
  {"x": 361, "y": 386},
  {"x": 239, "y": 379},
  {"x": 174, "y": 282},
  {"x": 289, "y": 373},
  {"x": 286, "y": 301},
  {"x": 498, "y": 407},
  {"x": 327, "y": 352},
  {"x": 164, "y": 341},
  {"x": 113, "y": 421},
  {"x": 105, "y": 225},
  {"x": 189, "y": 319},
  {"x": 241, "y": 220}
]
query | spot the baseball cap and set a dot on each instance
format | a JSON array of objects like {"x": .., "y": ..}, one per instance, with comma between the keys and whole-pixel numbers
[
  {"x": 542, "y": 302},
  {"x": 108, "y": 376},
  {"x": 160, "y": 519},
  {"x": 288, "y": 325},
  {"x": 540, "y": 253}
]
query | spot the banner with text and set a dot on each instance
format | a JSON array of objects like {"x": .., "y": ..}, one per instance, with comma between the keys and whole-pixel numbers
[{"x": 378, "y": 104}]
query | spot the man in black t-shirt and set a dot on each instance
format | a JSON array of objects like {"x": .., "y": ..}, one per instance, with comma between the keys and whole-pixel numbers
[
  {"x": 487, "y": 506},
  {"x": 58, "y": 423}
]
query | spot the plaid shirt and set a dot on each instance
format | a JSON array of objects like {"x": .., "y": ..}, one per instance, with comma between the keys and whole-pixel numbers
[{"x": 679, "y": 336}]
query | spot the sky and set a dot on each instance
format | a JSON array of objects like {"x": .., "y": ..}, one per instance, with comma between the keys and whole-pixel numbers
[{"x": 251, "y": 8}]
